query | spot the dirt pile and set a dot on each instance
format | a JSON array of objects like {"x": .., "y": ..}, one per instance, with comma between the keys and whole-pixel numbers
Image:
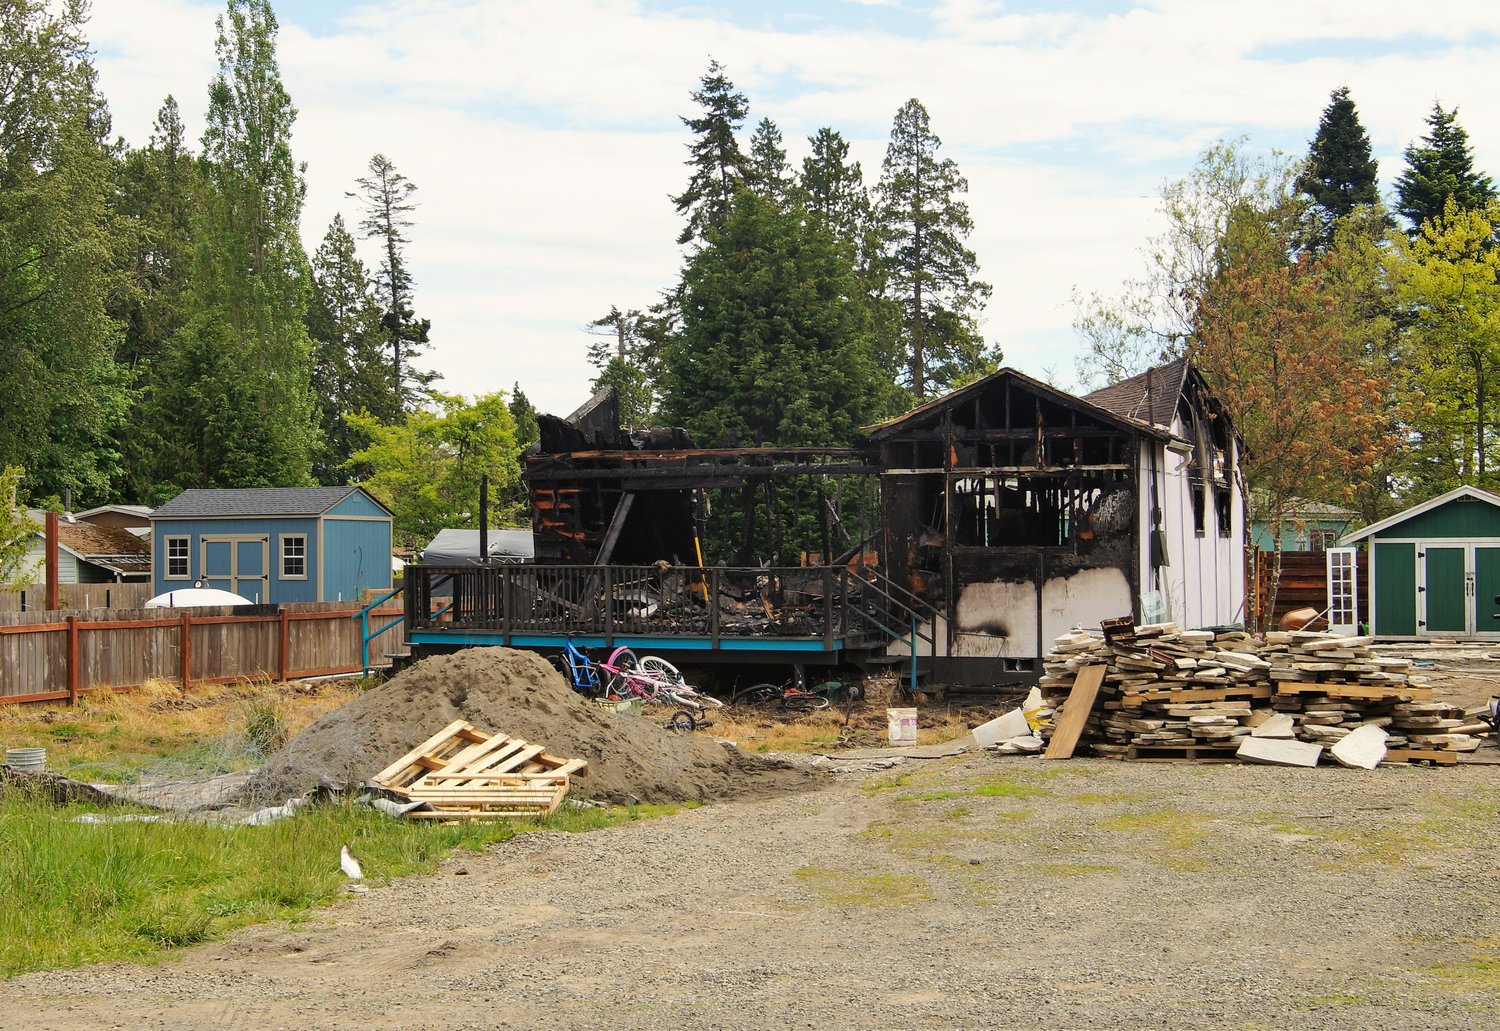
[{"x": 500, "y": 690}]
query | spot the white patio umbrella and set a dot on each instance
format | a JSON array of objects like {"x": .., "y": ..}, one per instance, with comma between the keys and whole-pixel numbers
[{"x": 190, "y": 597}]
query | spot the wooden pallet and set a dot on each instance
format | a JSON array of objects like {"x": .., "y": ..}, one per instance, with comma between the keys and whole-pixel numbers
[
  {"x": 463, "y": 773},
  {"x": 1182, "y": 754},
  {"x": 1133, "y": 699},
  {"x": 1436, "y": 756},
  {"x": 1356, "y": 692}
]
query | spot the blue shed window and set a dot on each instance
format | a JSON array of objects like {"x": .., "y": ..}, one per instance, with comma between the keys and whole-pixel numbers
[
  {"x": 294, "y": 556},
  {"x": 177, "y": 557}
]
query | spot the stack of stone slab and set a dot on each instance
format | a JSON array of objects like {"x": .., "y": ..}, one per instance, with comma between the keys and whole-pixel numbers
[{"x": 1175, "y": 695}]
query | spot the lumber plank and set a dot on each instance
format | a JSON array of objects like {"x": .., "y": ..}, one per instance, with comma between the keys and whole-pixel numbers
[
  {"x": 1076, "y": 711},
  {"x": 421, "y": 750}
]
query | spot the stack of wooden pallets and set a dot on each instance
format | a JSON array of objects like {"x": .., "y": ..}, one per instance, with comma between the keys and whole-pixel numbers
[
  {"x": 1172, "y": 695},
  {"x": 462, "y": 773}
]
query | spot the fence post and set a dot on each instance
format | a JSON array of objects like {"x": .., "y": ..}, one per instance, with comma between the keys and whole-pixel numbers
[
  {"x": 72, "y": 660},
  {"x": 185, "y": 648},
  {"x": 713, "y": 607},
  {"x": 828, "y": 608},
  {"x": 283, "y": 643}
]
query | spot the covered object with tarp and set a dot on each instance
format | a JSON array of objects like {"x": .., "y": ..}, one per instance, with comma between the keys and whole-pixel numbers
[{"x": 461, "y": 547}]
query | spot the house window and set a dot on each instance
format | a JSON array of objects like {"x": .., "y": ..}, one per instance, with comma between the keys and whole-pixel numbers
[
  {"x": 177, "y": 557},
  {"x": 1322, "y": 540},
  {"x": 1223, "y": 511},
  {"x": 294, "y": 556}
]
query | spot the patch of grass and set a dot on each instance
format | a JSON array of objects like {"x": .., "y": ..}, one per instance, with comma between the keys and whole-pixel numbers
[
  {"x": 840, "y": 886},
  {"x": 996, "y": 788},
  {"x": 74, "y": 893},
  {"x": 1111, "y": 798},
  {"x": 1479, "y": 973},
  {"x": 958, "y": 813},
  {"x": 1178, "y": 837}
]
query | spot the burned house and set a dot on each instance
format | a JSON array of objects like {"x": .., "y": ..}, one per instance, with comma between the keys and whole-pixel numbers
[
  {"x": 1006, "y": 513},
  {"x": 1019, "y": 511}
]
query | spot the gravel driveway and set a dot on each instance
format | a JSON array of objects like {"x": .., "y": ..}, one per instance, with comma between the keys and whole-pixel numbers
[{"x": 972, "y": 892}]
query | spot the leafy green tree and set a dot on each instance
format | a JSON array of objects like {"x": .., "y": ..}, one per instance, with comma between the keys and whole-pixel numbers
[
  {"x": 64, "y": 397},
  {"x": 1154, "y": 317},
  {"x": 386, "y": 195},
  {"x": 832, "y": 188},
  {"x": 350, "y": 371},
  {"x": 427, "y": 469},
  {"x": 767, "y": 171},
  {"x": 1438, "y": 169},
  {"x": 718, "y": 164},
  {"x": 1341, "y": 172},
  {"x": 158, "y": 190},
  {"x": 628, "y": 355},
  {"x": 775, "y": 347},
  {"x": 523, "y": 413},
  {"x": 933, "y": 274},
  {"x": 16, "y": 531},
  {"x": 236, "y": 385},
  {"x": 1447, "y": 284}
]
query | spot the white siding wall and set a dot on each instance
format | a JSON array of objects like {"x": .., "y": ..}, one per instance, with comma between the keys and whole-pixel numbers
[{"x": 1204, "y": 584}]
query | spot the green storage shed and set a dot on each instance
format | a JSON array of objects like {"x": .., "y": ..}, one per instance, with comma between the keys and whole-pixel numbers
[{"x": 1435, "y": 568}]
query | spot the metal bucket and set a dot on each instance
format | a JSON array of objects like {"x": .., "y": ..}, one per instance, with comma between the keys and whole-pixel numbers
[{"x": 26, "y": 760}]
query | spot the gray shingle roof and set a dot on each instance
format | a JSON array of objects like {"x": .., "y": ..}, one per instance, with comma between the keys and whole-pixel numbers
[
  {"x": 1150, "y": 397},
  {"x": 250, "y": 502}
]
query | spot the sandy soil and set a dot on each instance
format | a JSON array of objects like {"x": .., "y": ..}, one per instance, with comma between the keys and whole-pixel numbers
[{"x": 965, "y": 892}]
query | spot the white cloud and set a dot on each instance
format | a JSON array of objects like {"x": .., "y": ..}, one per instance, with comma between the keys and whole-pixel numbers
[{"x": 544, "y": 134}]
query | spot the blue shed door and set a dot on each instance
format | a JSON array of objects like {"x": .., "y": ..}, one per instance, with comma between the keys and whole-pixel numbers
[{"x": 238, "y": 563}]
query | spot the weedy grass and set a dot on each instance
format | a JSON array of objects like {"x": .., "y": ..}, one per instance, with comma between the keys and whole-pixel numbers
[
  {"x": 839, "y": 886},
  {"x": 73, "y": 892},
  {"x": 1172, "y": 837},
  {"x": 1479, "y": 973}
]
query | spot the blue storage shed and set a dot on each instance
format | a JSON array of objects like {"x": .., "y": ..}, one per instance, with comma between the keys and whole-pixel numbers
[{"x": 274, "y": 544}]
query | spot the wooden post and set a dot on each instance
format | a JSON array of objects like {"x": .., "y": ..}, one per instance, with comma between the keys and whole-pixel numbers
[
  {"x": 283, "y": 644},
  {"x": 72, "y": 659},
  {"x": 185, "y": 649},
  {"x": 51, "y": 560}
]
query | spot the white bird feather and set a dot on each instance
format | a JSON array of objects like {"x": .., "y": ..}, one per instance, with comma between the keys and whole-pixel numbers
[{"x": 350, "y": 865}]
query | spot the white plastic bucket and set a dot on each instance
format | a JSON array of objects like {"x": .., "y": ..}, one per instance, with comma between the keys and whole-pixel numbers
[
  {"x": 902, "y": 724},
  {"x": 27, "y": 760}
]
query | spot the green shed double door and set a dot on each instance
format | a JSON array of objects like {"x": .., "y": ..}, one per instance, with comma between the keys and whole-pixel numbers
[{"x": 1437, "y": 588}]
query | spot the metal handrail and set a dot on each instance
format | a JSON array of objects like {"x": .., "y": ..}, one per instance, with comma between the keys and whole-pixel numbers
[{"x": 363, "y": 615}]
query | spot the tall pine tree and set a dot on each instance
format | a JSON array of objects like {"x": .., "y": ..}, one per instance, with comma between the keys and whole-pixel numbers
[
  {"x": 236, "y": 393},
  {"x": 1440, "y": 167},
  {"x": 768, "y": 172},
  {"x": 717, "y": 162},
  {"x": 1340, "y": 172},
  {"x": 387, "y": 194},
  {"x": 932, "y": 273}
]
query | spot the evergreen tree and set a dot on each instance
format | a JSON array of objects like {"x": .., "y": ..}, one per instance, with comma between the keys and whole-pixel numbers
[
  {"x": 388, "y": 206},
  {"x": 923, "y": 225},
  {"x": 832, "y": 188},
  {"x": 774, "y": 347},
  {"x": 158, "y": 190},
  {"x": 767, "y": 171},
  {"x": 236, "y": 388},
  {"x": 523, "y": 414},
  {"x": 1340, "y": 171},
  {"x": 1442, "y": 166},
  {"x": 717, "y": 162},
  {"x": 63, "y": 394},
  {"x": 350, "y": 373},
  {"x": 628, "y": 356}
]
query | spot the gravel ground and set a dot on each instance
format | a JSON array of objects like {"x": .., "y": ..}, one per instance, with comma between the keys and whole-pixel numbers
[{"x": 964, "y": 892}]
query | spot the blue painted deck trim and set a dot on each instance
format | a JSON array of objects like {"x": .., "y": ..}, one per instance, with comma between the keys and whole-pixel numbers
[{"x": 481, "y": 638}]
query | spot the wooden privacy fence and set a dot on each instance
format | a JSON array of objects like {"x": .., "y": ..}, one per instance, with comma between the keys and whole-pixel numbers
[
  {"x": 1304, "y": 583},
  {"x": 57, "y": 656},
  {"x": 77, "y": 596}
]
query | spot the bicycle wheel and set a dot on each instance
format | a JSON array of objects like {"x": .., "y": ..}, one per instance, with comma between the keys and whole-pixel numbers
[
  {"x": 623, "y": 660},
  {"x": 681, "y": 720},
  {"x": 803, "y": 701},
  {"x": 681, "y": 694},
  {"x": 756, "y": 694},
  {"x": 658, "y": 668}
]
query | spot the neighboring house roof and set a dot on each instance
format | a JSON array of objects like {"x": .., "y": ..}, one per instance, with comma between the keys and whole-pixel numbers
[
  {"x": 1302, "y": 508},
  {"x": 109, "y": 547},
  {"x": 144, "y": 511},
  {"x": 1476, "y": 493},
  {"x": 1149, "y": 397},
  {"x": 891, "y": 427},
  {"x": 252, "y": 502}
]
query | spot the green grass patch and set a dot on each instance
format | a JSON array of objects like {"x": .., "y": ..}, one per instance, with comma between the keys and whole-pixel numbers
[
  {"x": 1171, "y": 837},
  {"x": 74, "y": 893},
  {"x": 1479, "y": 973},
  {"x": 839, "y": 886}
]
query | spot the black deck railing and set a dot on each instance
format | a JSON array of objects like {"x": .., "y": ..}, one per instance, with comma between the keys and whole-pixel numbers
[{"x": 821, "y": 602}]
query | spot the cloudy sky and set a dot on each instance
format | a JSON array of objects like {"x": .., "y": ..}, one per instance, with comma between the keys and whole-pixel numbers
[{"x": 545, "y": 138}]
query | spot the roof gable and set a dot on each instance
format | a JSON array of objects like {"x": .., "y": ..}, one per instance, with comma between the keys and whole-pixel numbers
[
  {"x": 931, "y": 409},
  {"x": 1457, "y": 493},
  {"x": 1151, "y": 396},
  {"x": 252, "y": 502}
]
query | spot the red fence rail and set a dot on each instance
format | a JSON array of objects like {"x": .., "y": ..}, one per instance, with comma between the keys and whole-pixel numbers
[{"x": 59, "y": 656}]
